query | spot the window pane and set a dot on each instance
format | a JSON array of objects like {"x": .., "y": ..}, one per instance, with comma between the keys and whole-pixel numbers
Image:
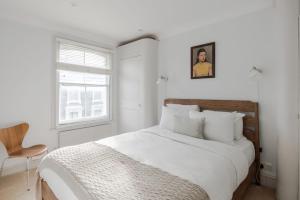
[
  {"x": 96, "y": 79},
  {"x": 80, "y": 103},
  {"x": 96, "y": 102},
  {"x": 71, "y": 77},
  {"x": 71, "y": 103},
  {"x": 83, "y": 78},
  {"x": 83, "y": 93}
]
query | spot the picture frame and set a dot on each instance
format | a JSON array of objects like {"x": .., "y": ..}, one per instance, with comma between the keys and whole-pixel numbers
[{"x": 203, "y": 61}]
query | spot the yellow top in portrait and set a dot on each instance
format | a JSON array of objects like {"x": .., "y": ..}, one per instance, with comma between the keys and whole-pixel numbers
[{"x": 202, "y": 69}]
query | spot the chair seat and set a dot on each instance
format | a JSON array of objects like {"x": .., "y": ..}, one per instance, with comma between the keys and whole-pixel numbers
[{"x": 30, "y": 151}]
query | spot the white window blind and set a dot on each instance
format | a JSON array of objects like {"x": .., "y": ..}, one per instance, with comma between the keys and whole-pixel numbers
[
  {"x": 72, "y": 54},
  {"x": 83, "y": 83}
]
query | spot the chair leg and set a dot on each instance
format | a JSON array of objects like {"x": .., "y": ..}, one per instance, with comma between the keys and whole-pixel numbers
[
  {"x": 27, "y": 166},
  {"x": 36, "y": 171},
  {"x": 2, "y": 165}
]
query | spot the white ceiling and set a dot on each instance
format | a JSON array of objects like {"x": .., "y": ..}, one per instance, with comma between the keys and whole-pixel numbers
[{"x": 120, "y": 20}]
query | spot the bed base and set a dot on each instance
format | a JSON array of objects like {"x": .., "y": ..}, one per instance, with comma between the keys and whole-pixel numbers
[{"x": 47, "y": 193}]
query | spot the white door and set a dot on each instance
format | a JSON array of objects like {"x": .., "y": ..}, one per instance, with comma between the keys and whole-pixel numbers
[{"x": 130, "y": 88}]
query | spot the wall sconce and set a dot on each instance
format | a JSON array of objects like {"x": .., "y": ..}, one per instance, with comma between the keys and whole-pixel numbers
[
  {"x": 255, "y": 73},
  {"x": 161, "y": 78}
]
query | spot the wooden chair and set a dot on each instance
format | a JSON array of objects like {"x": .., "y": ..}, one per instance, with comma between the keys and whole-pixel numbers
[{"x": 12, "y": 139}]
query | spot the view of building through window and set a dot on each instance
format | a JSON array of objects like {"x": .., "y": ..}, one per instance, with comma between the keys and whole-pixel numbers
[{"x": 82, "y": 96}]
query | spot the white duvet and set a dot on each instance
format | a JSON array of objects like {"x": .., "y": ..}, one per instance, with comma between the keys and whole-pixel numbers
[{"x": 218, "y": 168}]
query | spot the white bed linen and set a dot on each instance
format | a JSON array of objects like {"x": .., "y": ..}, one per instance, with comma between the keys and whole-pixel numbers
[
  {"x": 218, "y": 168},
  {"x": 247, "y": 147}
]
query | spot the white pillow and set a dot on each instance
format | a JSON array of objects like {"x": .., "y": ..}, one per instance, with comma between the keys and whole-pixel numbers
[
  {"x": 184, "y": 108},
  {"x": 238, "y": 123},
  {"x": 167, "y": 118},
  {"x": 238, "y": 132},
  {"x": 219, "y": 126},
  {"x": 187, "y": 126},
  {"x": 178, "y": 109}
]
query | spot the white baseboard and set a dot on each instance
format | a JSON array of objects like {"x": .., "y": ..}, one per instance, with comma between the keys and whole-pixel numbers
[{"x": 268, "y": 180}]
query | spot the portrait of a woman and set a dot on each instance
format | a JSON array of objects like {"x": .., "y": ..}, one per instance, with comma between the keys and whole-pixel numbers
[{"x": 203, "y": 61}]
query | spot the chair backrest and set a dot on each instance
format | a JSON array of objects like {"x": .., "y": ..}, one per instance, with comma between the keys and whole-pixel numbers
[{"x": 12, "y": 137}]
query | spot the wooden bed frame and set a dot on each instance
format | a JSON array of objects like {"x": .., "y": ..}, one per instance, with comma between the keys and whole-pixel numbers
[{"x": 251, "y": 132}]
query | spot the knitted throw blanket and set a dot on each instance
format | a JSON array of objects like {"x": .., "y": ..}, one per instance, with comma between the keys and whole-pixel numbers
[{"x": 107, "y": 174}]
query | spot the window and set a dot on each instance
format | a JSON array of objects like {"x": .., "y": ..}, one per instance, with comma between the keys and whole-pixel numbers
[{"x": 82, "y": 83}]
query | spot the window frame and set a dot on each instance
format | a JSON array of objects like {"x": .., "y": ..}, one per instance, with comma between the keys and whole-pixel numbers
[{"x": 83, "y": 123}]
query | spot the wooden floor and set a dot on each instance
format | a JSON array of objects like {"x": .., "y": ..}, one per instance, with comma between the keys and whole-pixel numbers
[
  {"x": 260, "y": 193},
  {"x": 13, "y": 187}
]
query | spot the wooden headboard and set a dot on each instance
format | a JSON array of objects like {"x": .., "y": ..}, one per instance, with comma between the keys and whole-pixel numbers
[{"x": 251, "y": 120}]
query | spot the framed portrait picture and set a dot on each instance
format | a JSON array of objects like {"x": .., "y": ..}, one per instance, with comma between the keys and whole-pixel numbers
[{"x": 203, "y": 61}]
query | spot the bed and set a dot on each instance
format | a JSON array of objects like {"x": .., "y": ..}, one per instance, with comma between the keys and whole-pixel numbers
[{"x": 221, "y": 171}]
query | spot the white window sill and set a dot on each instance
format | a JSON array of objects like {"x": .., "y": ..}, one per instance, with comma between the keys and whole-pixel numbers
[{"x": 81, "y": 125}]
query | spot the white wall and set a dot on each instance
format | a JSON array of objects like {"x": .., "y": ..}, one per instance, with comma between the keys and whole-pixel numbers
[
  {"x": 241, "y": 43},
  {"x": 27, "y": 70}
]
